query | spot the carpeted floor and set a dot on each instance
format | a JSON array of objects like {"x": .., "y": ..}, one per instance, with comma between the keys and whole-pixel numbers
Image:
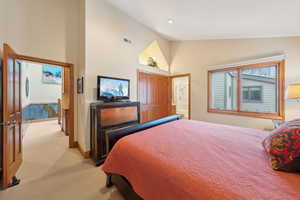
[{"x": 52, "y": 171}]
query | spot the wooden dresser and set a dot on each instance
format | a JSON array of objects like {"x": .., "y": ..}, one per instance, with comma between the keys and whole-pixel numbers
[{"x": 108, "y": 116}]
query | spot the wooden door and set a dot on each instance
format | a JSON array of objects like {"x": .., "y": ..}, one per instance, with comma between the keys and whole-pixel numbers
[
  {"x": 12, "y": 130},
  {"x": 154, "y": 95}
]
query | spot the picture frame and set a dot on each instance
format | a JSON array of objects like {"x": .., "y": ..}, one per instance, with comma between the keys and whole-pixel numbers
[
  {"x": 80, "y": 85},
  {"x": 52, "y": 75}
]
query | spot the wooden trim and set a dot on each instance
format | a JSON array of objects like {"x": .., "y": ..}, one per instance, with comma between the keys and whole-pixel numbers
[
  {"x": 41, "y": 60},
  {"x": 208, "y": 90},
  {"x": 265, "y": 64},
  {"x": 190, "y": 96},
  {"x": 59, "y": 114},
  {"x": 65, "y": 65},
  {"x": 170, "y": 95},
  {"x": 152, "y": 73},
  {"x": 180, "y": 75},
  {"x": 190, "y": 91},
  {"x": 250, "y": 62},
  {"x": 72, "y": 107},
  {"x": 85, "y": 154},
  {"x": 239, "y": 90},
  {"x": 247, "y": 114},
  {"x": 280, "y": 91}
]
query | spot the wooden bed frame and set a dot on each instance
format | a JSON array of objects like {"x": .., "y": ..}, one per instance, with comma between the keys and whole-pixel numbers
[{"x": 122, "y": 184}]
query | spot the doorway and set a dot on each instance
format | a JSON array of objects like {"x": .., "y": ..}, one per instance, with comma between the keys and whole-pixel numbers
[
  {"x": 41, "y": 92},
  {"x": 181, "y": 95},
  {"x": 162, "y": 95},
  {"x": 42, "y": 135},
  {"x": 12, "y": 112}
]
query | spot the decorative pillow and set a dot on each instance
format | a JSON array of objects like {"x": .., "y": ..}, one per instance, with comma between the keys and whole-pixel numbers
[{"x": 283, "y": 147}]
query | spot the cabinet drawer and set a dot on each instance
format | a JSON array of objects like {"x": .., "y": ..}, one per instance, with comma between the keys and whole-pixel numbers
[{"x": 120, "y": 115}]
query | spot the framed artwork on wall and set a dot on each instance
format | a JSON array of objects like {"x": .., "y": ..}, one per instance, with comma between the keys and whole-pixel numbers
[
  {"x": 52, "y": 75},
  {"x": 80, "y": 83}
]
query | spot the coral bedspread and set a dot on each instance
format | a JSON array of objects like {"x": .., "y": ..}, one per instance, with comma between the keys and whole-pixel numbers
[{"x": 192, "y": 160}]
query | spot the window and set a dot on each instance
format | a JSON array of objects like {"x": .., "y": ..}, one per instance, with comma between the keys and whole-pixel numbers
[
  {"x": 224, "y": 90},
  {"x": 253, "y": 90},
  {"x": 252, "y": 94}
]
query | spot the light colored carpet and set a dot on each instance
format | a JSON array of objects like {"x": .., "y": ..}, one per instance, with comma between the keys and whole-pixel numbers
[{"x": 52, "y": 171}]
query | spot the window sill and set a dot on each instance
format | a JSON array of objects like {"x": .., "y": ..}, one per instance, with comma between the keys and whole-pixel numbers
[{"x": 248, "y": 114}]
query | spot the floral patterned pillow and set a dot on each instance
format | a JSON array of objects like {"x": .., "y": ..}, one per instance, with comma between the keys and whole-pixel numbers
[{"x": 283, "y": 147}]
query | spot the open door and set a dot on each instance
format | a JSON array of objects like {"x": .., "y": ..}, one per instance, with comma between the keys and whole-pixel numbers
[
  {"x": 12, "y": 130},
  {"x": 181, "y": 95}
]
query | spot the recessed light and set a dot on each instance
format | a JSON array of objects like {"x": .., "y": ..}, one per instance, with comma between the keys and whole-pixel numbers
[{"x": 170, "y": 21}]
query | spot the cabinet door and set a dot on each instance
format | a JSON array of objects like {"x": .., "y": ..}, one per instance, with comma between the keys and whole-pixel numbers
[{"x": 154, "y": 95}]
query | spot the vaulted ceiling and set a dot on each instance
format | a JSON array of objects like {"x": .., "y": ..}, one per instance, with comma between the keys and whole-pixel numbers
[{"x": 215, "y": 19}]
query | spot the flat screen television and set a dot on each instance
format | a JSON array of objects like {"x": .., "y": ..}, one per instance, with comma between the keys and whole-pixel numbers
[{"x": 112, "y": 89}]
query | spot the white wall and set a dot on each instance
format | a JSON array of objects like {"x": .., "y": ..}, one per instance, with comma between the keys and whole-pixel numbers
[
  {"x": 107, "y": 53},
  {"x": 195, "y": 56},
  {"x": 39, "y": 92}
]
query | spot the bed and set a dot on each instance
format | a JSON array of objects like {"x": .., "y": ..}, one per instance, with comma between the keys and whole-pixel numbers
[{"x": 193, "y": 160}]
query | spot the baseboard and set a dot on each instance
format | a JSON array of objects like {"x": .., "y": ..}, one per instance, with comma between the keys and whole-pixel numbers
[{"x": 85, "y": 154}]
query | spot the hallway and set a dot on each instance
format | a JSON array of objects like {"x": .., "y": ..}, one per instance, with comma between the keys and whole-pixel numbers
[{"x": 52, "y": 171}]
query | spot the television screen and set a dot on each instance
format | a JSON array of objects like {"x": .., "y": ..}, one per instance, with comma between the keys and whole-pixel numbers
[{"x": 112, "y": 87}]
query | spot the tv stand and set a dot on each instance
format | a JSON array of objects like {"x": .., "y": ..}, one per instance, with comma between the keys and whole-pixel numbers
[{"x": 106, "y": 116}]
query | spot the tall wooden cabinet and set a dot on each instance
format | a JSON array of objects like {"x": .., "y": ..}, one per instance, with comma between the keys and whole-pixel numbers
[
  {"x": 108, "y": 116},
  {"x": 154, "y": 92}
]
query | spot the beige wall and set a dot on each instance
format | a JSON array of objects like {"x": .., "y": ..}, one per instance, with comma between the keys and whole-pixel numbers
[
  {"x": 154, "y": 51},
  {"x": 43, "y": 28},
  {"x": 88, "y": 34},
  {"x": 107, "y": 53},
  {"x": 81, "y": 107},
  {"x": 2, "y": 24},
  {"x": 195, "y": 56}
]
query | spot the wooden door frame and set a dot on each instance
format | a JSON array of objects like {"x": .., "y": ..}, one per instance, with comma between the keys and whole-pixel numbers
[
  {"x": 72, "y": 143},
  {"x": 190, "y": 86}
]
